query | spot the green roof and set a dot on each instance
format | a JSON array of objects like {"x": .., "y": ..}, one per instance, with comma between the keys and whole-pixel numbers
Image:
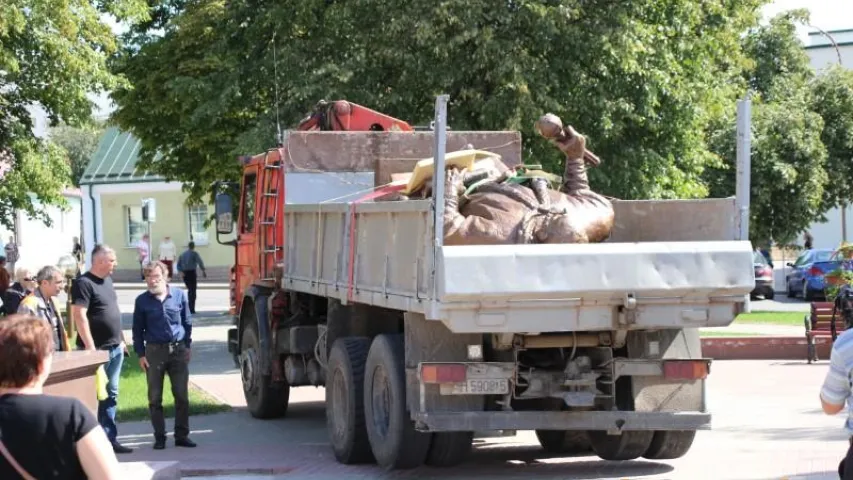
[{"x": 115, "y": 160}]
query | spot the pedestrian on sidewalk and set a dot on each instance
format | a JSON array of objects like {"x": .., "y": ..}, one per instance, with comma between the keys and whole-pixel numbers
[
  {"x": 12, "y": 255},
  {"x": 188, "y": 263},
  {"x": 40, "y": 304},
  {"x": 143, "y": 253},
  {"x": 168, "y": 251},
  {"x": 78, "y": 253},
  {"x": 44, "y": 436},
  {"x": 98, "y": 320},
  {"x": 162, "y": 337}
]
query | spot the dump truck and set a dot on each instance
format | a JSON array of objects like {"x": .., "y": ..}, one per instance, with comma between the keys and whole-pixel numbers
[{"x": 420, "y": 345}]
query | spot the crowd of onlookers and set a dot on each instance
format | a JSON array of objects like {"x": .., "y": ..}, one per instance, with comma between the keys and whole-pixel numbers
[{"x": 44, "y": 436}]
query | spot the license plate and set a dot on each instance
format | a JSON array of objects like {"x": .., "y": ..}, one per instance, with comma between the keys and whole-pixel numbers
[{"x": 479, "y": 386}]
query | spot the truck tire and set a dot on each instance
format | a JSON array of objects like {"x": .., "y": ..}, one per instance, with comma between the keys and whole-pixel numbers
[
  {"x": 345, "y": 401},
  {"x": 449, "y": 449},
  {"x": 669, "y": 445},
  {"x": 564, "y": 441},
  {"x": 393, "y": 438},
  {"x": 264, "y": 398},
  {"x": 627, "y": 446}
]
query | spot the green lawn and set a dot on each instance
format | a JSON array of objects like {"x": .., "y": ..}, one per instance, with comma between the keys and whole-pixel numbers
[
  {"x": 771, "y": 318},
  {"x": 133, "y": 395}
]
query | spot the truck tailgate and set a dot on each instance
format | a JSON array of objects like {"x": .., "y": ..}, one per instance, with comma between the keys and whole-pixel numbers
[{"x": 584, "y": 287}]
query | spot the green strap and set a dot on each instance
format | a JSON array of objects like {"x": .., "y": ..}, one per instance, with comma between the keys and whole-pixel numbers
[{"x": 519, "y": 175}]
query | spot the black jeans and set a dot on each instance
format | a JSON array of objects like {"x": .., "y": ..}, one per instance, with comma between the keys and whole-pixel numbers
[
  {"x": 168, "y": 359},
  {"x": 191, "y": 281}
]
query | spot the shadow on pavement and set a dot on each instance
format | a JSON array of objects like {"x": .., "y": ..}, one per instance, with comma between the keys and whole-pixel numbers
[
  {"x": 489, "y": 459},
  {"x": 790, "y": 434}
]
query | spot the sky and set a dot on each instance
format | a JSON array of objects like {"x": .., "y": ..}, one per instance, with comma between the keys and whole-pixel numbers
[{"x": 824, "y": 14}]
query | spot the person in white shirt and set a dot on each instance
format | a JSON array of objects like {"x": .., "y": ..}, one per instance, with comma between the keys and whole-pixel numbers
[
  {"x": 168, "y": 252},
  {"x": 143, "y": 250}
]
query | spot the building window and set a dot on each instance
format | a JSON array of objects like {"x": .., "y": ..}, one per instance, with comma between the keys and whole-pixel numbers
[
  {"x": 197, "y": 217},
  {"x": 134, "y": 225}
]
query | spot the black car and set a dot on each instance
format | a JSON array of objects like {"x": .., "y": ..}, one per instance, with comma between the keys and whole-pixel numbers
[{"x": 763, "y": 277}]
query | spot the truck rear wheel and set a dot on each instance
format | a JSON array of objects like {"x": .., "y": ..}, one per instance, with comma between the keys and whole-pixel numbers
[
  {"x": 671, "y": 444},
  {"x": 265, "y": 398},
  {"x": 449, "y": 449},
  {"x": 564, "y": 441},
  {"x": 627, "y": 446},
  {"x": 393, "y": 438},
  {"x": 345, "y": 401}
]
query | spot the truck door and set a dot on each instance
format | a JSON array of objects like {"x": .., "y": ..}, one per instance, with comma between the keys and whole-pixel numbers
[{"x": 247, "y": 247}]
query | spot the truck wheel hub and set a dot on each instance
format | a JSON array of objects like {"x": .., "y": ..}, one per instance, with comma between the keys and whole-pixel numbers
[{"x": 248, "y": 369}]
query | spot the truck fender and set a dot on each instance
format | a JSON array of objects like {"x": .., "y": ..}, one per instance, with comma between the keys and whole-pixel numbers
[{"x": 257, "y": 299}]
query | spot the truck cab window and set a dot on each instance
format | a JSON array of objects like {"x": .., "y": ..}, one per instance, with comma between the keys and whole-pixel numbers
[{"x": 250, "y": 186}]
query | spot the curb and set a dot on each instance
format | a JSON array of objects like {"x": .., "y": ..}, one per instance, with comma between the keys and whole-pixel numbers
[
  {"x": 763, "y": 348},
  {"x": 212, "y": 395}
]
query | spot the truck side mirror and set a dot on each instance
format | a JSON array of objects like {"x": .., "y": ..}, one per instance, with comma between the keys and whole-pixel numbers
[{"x": 224, "y": 214}]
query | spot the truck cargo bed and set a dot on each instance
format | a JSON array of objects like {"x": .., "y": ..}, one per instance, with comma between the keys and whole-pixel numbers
[{"x": 699, "y": 278}]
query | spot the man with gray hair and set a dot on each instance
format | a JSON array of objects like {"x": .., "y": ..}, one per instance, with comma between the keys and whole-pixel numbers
[
  {"x": 162, "y": 337},
  {"x": 50, "y": 282}
]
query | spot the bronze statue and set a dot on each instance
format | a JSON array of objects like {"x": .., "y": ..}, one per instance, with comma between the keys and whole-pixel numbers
[{"x": 500, "y": 212}]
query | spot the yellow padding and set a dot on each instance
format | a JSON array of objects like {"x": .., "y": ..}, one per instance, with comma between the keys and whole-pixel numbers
[{"x": 462, "y": 159}]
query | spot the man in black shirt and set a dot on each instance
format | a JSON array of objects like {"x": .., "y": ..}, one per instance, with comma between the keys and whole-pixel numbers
[{"x": 98, "y": 320}]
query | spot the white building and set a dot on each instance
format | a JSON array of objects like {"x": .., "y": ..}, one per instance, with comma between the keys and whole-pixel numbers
[{"x": 40, "y": 245}]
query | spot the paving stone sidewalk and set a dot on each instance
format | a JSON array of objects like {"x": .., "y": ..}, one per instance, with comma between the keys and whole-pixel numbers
[{"x": 767, "y": 425}]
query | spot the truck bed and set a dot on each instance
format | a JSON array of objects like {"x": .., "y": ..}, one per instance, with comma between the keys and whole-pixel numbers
[{"x": 668, "y": 264}]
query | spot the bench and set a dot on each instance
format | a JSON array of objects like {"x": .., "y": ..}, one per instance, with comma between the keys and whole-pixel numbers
[{"x": 819, "y": 325}]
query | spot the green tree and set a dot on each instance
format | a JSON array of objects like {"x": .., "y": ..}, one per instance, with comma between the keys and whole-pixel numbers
[
  {"x": 778, "y": 64},
  {"x": 52, "y": 54},
  {"x": 788, "y": 176},
  {"x": 788, "y": 158},
  {"x": 642, "y": 79},
  {"x": 832, "y": 99},
  {"x": 79, "y": 144}
]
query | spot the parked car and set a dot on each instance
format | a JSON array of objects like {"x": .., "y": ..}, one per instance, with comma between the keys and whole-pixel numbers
[
  {"x": 806, "y": 277},
  {"x": 763, "y": 277}
]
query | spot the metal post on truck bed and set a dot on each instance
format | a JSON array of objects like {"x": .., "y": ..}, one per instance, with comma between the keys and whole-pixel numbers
[
  {"x": 743, "y": 180},
  {"x": 440, "y": 128},
  {"x": 438, "y": 167}
]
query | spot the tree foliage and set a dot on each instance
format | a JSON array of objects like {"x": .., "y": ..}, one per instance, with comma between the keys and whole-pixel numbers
[
  {"x": 79, "y": 143},
  {"x": 832, "y": 99},
  {"x": 52, "y": 54},
  {"x": 802, "y": 135},
  {"x": 653, "y": 84},
  {"x": 641, "y": 79}
]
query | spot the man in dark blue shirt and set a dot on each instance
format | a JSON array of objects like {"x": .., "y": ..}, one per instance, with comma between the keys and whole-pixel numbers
[{"x": 162, "y": 335}]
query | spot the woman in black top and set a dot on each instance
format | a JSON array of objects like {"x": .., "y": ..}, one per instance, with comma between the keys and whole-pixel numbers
[{"x": 49, "y": 437}]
